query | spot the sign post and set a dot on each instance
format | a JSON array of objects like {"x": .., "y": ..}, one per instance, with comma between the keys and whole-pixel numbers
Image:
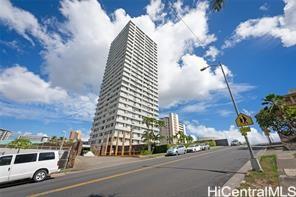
[{"x": 243, "y": 120}]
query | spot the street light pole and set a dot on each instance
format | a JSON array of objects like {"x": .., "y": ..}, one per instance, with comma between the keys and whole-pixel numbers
[
  {"x": 61, "y": 146},
  {"x": 254, "y": 162}
]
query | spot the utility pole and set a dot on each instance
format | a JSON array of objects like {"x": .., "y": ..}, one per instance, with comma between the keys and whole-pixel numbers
[
  {"x": 62, "y": 144},
  {"x": 254, "y": 162}
]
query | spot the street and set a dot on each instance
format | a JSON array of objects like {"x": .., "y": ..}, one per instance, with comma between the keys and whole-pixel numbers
[{"x": 184, "y": 175}]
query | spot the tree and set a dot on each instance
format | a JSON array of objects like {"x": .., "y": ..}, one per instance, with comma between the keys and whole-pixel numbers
[
  {"x": 157, "y": 137},
  {"x": 149, "y": 136},
  {"x": 277, "y": 116},
  {"x": 170, "y": 139},
  {"x": 21, "y": 143},
  {"x": 217, "y": 5},
  {"x": 189, "y": 139},
  {"x": 267, "y": 134},
  {"x": 181, "y": 137}
]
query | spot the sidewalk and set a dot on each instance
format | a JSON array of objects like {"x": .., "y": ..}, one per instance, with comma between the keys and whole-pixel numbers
[
  {"x": 286, "y": 162},
  {"x": 86, "y": 163}
]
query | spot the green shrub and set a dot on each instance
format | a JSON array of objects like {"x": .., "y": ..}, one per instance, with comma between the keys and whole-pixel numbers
[
  {"x": 145, "y": 152},
  {"x": 161, "y": 148},
  {"x": 211, "y": 143}
]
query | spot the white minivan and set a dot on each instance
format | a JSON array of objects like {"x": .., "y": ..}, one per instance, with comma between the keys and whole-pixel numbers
[{"x": 34, "y": 165}]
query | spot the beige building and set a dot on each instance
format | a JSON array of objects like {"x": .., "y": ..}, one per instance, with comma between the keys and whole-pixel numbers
[
  {"x": 171, "y": 128},
  {"x": 75, "y": 135},
  {"x": 290, "y": 98}
]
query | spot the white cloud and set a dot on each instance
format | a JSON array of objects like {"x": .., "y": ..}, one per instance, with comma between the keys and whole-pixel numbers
[
  {"x": 197, "y": 107},
  {"x": 85, "y": 135},
  {"x": 179, "y": 7},
  {"x": 22, "y": 86},
  {"x": 224, "y": 112},
  {"x": 18, "y": 84},
  {"x": 90, "y": 32},
  {"x": 282, "y": 27},
  {"x": 255, "y": 137},
  {"x": 75, "y": 64},
  {"x": 212, "y": 52},
  {"x": 23, "y": 23},
  {"x": 155, "y": 10},
  {"x": 249, "y": 113},
  {"x": 41, "y": 134},
  {"x": 263, "y": 7}
]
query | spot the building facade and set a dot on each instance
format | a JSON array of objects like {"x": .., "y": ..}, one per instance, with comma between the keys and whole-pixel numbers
[
  {"x": 128, "y": 93},
  {"x": 182, "y": 128},
  {"x": 35, "y": 138},
  {"x": 4, "y": 134},
  {"x": 290, "y": 98},
  {"x": 75, "y": 135},
  {"x": 172, "y": 126}
]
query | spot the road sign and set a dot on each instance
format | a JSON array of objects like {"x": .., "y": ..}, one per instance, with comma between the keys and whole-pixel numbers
[
  {"x": 245, "y": 130},
  {"x": 243, "y": 120}
]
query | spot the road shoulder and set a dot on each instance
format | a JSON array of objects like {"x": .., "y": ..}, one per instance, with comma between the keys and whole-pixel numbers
[{"x": 239, "y": 176}]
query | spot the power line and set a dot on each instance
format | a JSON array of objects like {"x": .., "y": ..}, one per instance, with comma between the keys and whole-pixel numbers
[{"x": 181, "y": 19}]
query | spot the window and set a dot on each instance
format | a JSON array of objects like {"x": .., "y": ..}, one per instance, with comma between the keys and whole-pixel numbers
[
  {"x": 5, "y": 160},
  {"x": 46, "y": 156},
  {"x": 25, "y": 158}
]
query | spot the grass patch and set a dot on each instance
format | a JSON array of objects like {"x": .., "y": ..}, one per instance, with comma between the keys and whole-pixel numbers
[
  {"x": 145, "y": 152},
  {"x": 263, "y": 179},
  {"x": 295, "y": 155}
]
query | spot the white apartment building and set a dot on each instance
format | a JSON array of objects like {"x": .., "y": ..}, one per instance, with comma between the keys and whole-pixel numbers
[
  {"x": 128, "y": 93},
  {"x": 171, "y": 128},
  {"x": 182, "y": 128}
]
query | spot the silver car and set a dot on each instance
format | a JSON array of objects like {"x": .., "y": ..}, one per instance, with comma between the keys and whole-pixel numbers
[{"x": 176, "y": 150}]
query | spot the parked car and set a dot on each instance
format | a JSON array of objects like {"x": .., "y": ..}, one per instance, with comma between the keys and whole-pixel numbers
[
  {"x": 235, "y": 143},
  {"x": 205, "y": 147},
  {"x": 193, "y": 148},
  {"x": 199, "y": 147},
  {"x": 34, "y": 165},
  {"x": 177, "y": 150}
]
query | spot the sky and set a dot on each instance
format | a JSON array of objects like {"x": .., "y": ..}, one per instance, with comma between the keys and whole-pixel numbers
[{"x": 53, "y": 54}]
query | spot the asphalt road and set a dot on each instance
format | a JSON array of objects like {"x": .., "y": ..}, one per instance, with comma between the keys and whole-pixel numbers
[{"x": 177, "y": 176}]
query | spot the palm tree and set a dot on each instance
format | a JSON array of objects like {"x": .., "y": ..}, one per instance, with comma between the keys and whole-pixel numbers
[
  {"x": 181, "y": 137},
  {"x": 275, "y": 104},
  {"x": 157, "y": 137},
  {"x": 170, "y": 139},
  {"x": 148, "y": 137},
  {"x": 53, "y": 140},
  {"x": 272, "y": 102},
  {"x": 189, "y": 139},
  {"x": 217, "y": 5}
]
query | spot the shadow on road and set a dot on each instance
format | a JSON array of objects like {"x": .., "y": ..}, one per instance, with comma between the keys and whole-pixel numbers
[
  {"x": 100, "y": 195},
  {"x": 253, "y": 147},
  {"x": 19, "y": 182},
  {"x": 200, "y": 169}
]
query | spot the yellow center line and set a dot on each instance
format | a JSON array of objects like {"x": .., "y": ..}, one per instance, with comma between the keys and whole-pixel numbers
[{"x": 117, "y": 175}]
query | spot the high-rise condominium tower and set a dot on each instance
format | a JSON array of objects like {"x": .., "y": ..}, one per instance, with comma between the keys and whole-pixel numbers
[
  {"x": 172, "y": 126},
  {"x": 129, "y": 92}
]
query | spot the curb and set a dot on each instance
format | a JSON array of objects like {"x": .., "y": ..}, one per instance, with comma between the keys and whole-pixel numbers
[{"x": 238, "y": 177}]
